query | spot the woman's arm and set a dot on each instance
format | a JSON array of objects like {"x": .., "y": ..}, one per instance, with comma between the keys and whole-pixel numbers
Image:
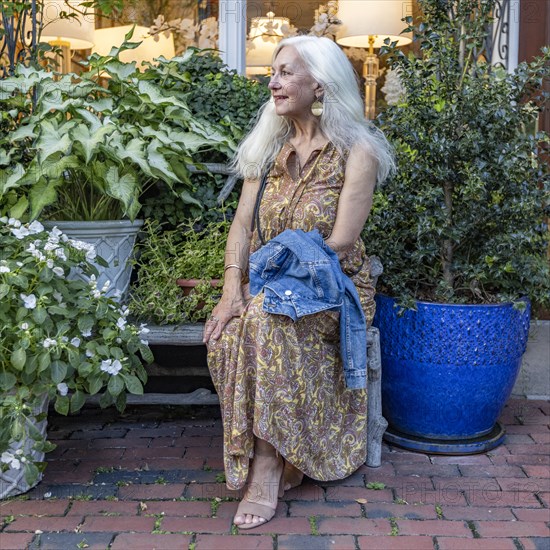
[
  {"x": 233, "y": 302},
  {"x": 355, "y": 200}
]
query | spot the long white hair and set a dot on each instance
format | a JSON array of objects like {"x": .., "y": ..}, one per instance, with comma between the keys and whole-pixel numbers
[{"x": 342, "y": 122}]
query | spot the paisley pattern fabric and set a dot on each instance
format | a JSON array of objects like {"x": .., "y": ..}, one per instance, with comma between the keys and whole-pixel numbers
[{"x": 283, "y": 381}]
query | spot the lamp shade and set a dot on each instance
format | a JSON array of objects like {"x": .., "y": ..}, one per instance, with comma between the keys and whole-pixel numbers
[
  {"x": 380, "y": 19},
  {"x": 77, "y": 32},
  {"x": 265, "y": 33},
  {"x": 149, "y": 49}
]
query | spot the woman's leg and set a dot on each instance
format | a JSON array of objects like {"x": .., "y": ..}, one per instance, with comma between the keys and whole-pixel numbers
[
  {"x": 263, "y": 486},
  {"x": 292, "y": 477}
]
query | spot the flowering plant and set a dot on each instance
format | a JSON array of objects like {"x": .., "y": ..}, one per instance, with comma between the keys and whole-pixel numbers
[{"x": 59, "y": 336}]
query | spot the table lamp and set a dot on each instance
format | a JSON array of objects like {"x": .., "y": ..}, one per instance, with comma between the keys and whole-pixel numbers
[
  {"x": 75, "y": 33},
  {"x": 366, "y": 24}
]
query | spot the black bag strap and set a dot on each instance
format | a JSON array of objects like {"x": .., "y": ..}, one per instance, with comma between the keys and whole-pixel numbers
[{"x": 256, "y": 215}]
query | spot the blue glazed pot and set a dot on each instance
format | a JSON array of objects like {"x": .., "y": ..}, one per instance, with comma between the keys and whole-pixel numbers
[{"x": 447, "y": 370}]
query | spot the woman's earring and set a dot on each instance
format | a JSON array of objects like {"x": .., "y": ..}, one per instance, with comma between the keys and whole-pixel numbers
[{"x": 317, "y": 108}]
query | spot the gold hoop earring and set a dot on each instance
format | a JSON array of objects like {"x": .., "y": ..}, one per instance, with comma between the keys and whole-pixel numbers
[{"x": 317, "y": 108}]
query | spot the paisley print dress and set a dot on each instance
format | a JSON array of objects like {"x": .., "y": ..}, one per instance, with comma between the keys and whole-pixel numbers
[{"x": 283, "y": 381}]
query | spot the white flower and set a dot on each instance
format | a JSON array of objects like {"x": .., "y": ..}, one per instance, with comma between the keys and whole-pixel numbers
[
  {"x": 110, "y": 366},
  {"x": 106, "y": 286},
  {"x": 48, "y": 342},
  {"x": 75, "y": 342},
  {"x": 49, "y": 263},
  {"x": 121, "y": 323},
  {"x": 144, "y": 342},
  {"x": 4, "y": 269},
  {"x": 24, "y": 326},
  {"x": 96, "y": 293},
  {"x": 86, "y": 333},
  {"x": 60, "y": 253},
  {"x": 143, "y": 329},
  {"x": 36, "y": 227},
  {"x": 20, "y": 233},
  {"x": 62, "y": 388},
  {"x": 49, "y": 246},
  {"x": 59, "y": 271},
  {"x": 91, "y": 255},
  {"x": 14, "y": 223},
  {"x": 29, "y": 300},
  {"x": 89, "y": 353},
  {"x": 8, "y": 458}
]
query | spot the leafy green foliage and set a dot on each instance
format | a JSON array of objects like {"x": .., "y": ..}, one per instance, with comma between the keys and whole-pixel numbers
[
  {"x": 188, "y": 252},
  {"x": 225, "y": 98},
  {"x": 463, "y": 219},
  {"x": 59, "y": 336},
  {"x": 73, "y": 149}
]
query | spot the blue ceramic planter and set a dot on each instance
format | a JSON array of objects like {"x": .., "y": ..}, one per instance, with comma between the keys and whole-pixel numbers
[{"x": 447, "y": 371}]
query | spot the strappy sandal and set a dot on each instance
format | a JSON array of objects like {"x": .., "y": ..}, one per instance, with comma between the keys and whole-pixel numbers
[{"x": 266, "y": 513}]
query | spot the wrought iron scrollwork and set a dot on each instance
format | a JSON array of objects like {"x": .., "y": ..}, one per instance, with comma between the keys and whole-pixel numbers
[
  {"x": 19, "y": 31},
  {"x": 499, "y": 48}
]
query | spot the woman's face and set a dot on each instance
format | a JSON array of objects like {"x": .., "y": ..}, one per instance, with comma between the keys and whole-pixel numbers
[{"x": 292, "y": 87}]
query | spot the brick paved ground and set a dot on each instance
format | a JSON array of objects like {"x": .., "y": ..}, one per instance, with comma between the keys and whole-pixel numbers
[{"x": 152, "y": 478}]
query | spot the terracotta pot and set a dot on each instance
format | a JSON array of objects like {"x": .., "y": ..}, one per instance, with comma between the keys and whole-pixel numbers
[{"x": 187, "y": 285}]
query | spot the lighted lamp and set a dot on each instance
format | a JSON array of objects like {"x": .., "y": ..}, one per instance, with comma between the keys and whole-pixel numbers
[
  {"x": 148, "y": 50},
  {"x": 366, "y": 24},
  {"x": 265, "y": 33},
  {"x": 76, "y": 33}
]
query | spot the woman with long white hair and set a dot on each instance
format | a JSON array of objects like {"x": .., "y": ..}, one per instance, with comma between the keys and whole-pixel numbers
[{"x": 310, "y": 163}]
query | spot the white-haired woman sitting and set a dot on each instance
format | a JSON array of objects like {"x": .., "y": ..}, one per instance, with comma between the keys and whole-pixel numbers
[{"x": 283, "y": 394}]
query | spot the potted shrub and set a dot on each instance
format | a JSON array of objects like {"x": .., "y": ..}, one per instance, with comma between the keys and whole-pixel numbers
[
  {"x": 62, "y": 340},
  {"x": 83, "y": 149},
  {"x": 461, "y": 231},
  {"x": 191, "y": 258}
]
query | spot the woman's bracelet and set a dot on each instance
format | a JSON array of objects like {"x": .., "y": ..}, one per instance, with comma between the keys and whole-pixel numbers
[{"x": 233, "y": 265}]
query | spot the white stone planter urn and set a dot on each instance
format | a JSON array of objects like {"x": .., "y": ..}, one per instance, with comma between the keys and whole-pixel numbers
[{"x": 114, "y": 241}]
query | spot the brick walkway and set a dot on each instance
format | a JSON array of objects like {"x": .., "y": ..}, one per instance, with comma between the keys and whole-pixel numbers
[{"x": 152, "y": 478}]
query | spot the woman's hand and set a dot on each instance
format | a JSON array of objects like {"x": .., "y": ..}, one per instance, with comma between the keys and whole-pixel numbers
[{"x": 227, "y": 308}]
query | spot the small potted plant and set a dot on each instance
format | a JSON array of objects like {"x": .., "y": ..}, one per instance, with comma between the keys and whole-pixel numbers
[
  {"x": 62, "y": 340},
  {"x": 461, "y": 230},
  {"x": 190, "y": 257}
]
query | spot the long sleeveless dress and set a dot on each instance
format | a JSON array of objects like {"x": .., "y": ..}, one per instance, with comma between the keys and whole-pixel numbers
[{"x": 280, "y": 380}]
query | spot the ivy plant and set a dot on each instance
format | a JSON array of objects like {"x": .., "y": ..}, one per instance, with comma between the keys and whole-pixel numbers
[{"x": 464, "y": 218}]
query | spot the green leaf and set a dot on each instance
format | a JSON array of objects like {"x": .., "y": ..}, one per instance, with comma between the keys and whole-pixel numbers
[
  {"x": 44, "y": 361},
  {"x": 41, "y": 195},
  {"x": 115, "y": 385},
  {"x": 146, "y": 353},
  {"x": 4, "y": 290},
  {"x": 95, "y": 384},
  {"x": 7, "y": 381},
  {"x": 125, "y": 189},
  {"x": 62, "y": 404},
  {"x": 19, "y": 208},
  {"x": 18, "y": 358},
  {"x": 39, "y": 314},
  {"x": 133, "y": 385},
  {"x": 31, "y": 473},
  {"x": 90, "y": 139},
  {"x": 58, "y": 371},
  {"x": 85, "y": 323},
  {"x": 77, "y": 401},
  {"x": 52, "y": 141}
]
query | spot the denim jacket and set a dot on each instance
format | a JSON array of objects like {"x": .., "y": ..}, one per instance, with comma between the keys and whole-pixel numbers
[{"x": 301, "y": 275}]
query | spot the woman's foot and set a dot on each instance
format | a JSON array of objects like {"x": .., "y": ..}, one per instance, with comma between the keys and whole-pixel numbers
[
  {"x": 265, "y": 478},
  {"x": 292, "y": 477}
]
